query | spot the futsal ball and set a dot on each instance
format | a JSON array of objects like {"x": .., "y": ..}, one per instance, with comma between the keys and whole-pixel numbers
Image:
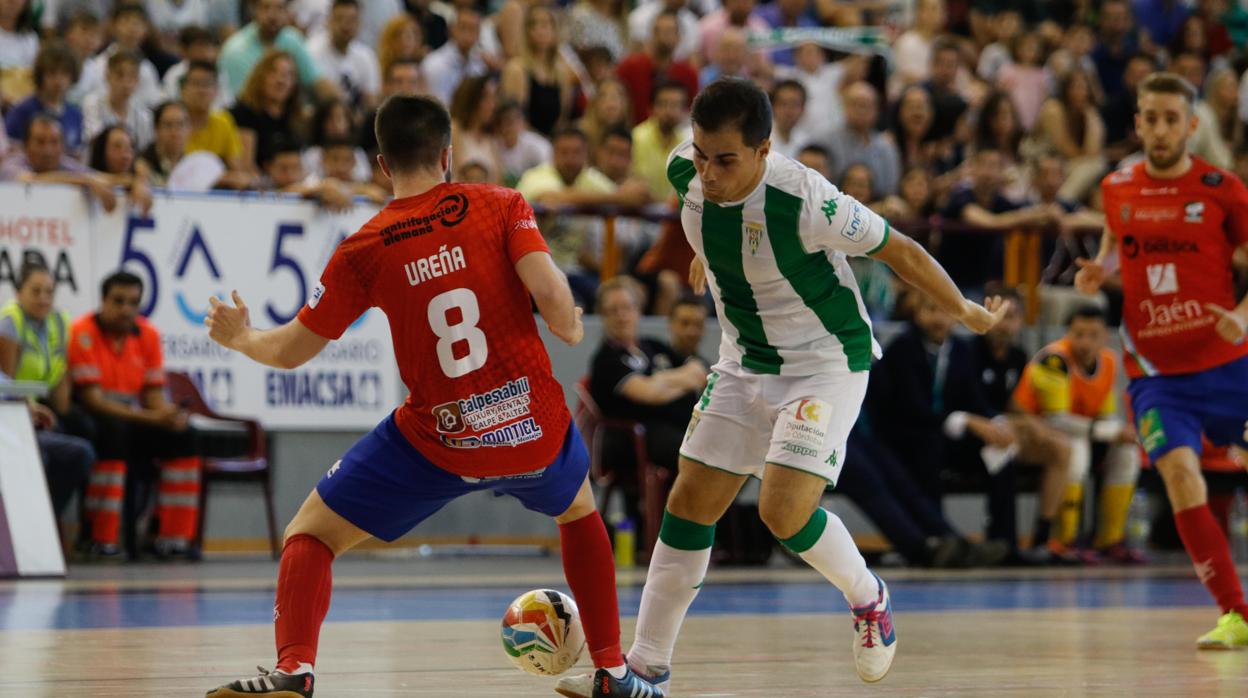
[{"x": 542, "y": 632}]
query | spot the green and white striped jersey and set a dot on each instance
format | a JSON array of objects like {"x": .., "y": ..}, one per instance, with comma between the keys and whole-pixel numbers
[{"x": 777, "y": 267}]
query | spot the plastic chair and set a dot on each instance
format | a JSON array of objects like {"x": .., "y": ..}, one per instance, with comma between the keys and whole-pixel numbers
[{"x": 252, "y": 466}]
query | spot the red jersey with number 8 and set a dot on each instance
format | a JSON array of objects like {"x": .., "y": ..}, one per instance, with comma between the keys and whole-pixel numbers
[
  {"x": 1175, "y": 242},
  {"x": 483, "y": 401}
]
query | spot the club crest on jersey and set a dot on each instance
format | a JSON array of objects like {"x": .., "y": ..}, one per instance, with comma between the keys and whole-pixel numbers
[
  {"x": 1194, "y": 212},
  {"x": 753, "y": 235}
]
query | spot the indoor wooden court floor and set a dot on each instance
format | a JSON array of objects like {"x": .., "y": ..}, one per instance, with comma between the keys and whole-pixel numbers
[{"x": 428, "y": 627}]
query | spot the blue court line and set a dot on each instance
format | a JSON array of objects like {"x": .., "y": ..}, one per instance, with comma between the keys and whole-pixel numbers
[{"x": 45, "y": 607}]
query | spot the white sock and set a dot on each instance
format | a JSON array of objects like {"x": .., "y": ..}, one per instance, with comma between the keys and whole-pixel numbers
[
  {"x": 837, "y": 558},
  {"x": 303, "y": 668},
  {"x": 671, "y": 585},
  {"x": 617, "y": 672}
]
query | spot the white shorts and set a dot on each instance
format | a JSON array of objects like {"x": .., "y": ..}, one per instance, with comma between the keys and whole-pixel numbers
[{"x": 745, "y": 420}]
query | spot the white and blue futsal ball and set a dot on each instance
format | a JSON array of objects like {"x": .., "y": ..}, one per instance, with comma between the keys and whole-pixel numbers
[{"x": 542, "y": 632}]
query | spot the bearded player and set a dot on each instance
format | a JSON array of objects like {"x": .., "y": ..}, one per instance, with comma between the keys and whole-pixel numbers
[
  {"x": 453, "y": 267},
  {"x": 1174, "y": 221},
  {"x": 772, "y": 238}
]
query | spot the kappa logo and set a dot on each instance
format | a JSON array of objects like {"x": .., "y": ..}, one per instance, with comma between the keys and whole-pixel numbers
[
  {"x": 829, "y": 210},
  {"x": 831, "y": 460},
  {"x": 1162, "y": 279}
]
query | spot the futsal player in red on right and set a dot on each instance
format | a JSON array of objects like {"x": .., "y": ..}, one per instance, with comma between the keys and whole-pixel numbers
[
  {"x": 453, "y": 266},
  {"x": 1175, "y": 222}
]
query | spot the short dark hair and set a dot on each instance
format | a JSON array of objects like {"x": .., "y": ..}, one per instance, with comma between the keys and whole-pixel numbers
[
  {"x": 399, "y": 63},
  {"x": 342, "y": 3},
  {"x": 29, "y": 268},
  {"x": 1168, "y": 84},
  {"x": 944, "y": 43},
  {"x": 1087, "y": 311},
  {"x": 687, "y": 300},
  {"x": 815, "y": 148},
  {"x": 788, "y": 85},
  {"x": 412, "y": 131},
  {"x": 193, "y": 34},
  {"x": 569, "y": 132},
  {"x": 120, "y": 278},
  {"x": 282, "y": 145},
  {"x": 160, "y": 109},
  {"x": 617, "y": 132},
  {"x": 42, "y": 117},
  {"x": 337, "y": 142},
  {"x": 54, "y": 56},
  {"x": 204, "y": 66},
  {"x": 129, "y": 8},
  {"x": 665, "y": 85},
  {"x": 121, "y": 58},
  {"x": 734, "y": 103}
]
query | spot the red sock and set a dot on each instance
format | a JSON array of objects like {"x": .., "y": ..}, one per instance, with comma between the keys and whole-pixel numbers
[
  {"x": 304, "y": 584},
  {"x": 589, "y": 567},
  {"x": 1207, "y": 546}
]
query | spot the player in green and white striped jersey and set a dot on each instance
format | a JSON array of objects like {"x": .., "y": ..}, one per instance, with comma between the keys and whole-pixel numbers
[{"x": 772, "y": 240}]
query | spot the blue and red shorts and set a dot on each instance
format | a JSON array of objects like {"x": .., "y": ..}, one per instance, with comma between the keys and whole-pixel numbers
[
  {"x": 386, "y": 487},
  {"x": 1173, "y": 411}
]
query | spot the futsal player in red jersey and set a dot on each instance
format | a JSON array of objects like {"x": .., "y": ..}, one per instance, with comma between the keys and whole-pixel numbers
[
  {"x": 453, "y": 266},
  {"x": 1175, "y": 221}
]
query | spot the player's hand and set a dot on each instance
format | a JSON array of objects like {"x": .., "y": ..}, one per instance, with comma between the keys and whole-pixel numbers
[
  {"x": 697, "y": 276},
  {"x": 1090, "y": 276},
  {"x": 573, "y": 336},
  {"x": 226, "y": 323},
  {"x": 981, "y": 318},
  {"x": 1231, "y": 326}
]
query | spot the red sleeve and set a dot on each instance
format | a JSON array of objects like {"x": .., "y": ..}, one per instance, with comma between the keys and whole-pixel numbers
[
  {"x": 521, "y": 232},
  {"x": 338, "y": 300},
  {"x": 1237, "y": 212},
  {"x": 153, "y": 356},
  {"x": 82, "y": 365}
]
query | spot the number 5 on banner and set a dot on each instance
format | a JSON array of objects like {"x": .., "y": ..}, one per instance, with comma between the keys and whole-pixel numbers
[
  {"x": 130, "y": 253},
  {"x": 281, "y": 261}
]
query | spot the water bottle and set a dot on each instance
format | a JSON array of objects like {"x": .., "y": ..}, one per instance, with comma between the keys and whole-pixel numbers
[
  {"x": 1139, "y": 523},
  {"x": 625, "y": 543},
  {"x": 1239, "y": 526}
]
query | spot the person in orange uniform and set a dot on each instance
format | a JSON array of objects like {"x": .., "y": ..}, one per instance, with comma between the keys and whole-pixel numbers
[
  {"x": 1072, "y": 384},
  {"x": 116, "y": 363}
]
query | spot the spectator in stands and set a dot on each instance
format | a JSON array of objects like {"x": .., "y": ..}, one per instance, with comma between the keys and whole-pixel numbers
[
  {"x": 731, "y": 57},
  {"x": 118, "y": 373},
  {"x": 435, "y": 28},
  {"x": 173, "y": 128},
  {"x": 973, "y": 259},
  {"x": 55, "y": 70},
  {"x": 1119, "y": 111},
  {"x": 84, "y": 36},
  {"x": 783, "y": 14},
  {"x": 1116, "y": 44},
  {"x": 926, "y": 374},
  {"x": 656, "y": 137},
  {"x": 788, "y": 103},
  {"x": 284, "y": 173},
  {"x": 1006, "y": 26},
  {"x": 471, "y": 110},
  {"x": 1025, "y": 78},
  {"x": 117, "y": 105},
  {"x": 171, "y": 18},
  {"x": 1071, "y": 125},
  {"x": 913, "y": 201},
  {"x": 860, "y": 142},
  {"x": 1218, "y": 130},
  {"x": 19, "y": 43},
  {"x": 519, "y": 148},
  {"x": 816, "y": 158},
  {"x": 212, "y": 129},
  {"x": 1161, "y": 20},
  {"x": 332, "y": 121},
  {"x": 643, "y": 380},
  {"x": 912, "y": 52},
  {"x": 998, "y": 128},
  {"x": 457, "y": 59},
  {"x": 34, "y": 336},
  {"x": 402, "y": 77},
  {"x": 112, "y": 156},
  {"x": 914, "y": 128},
  {"x": 655, "y": 63},
  {"x": 948, "y": 105},
  {"x": 401, "y": 40},
  {"x": 129, "y": 30},
  {"x": 268, "y": 107},
  {"x": 538, "y": 78},
  {"x": 608, "y": 110},
  {"x": 824, "y": 82},
  {"x": 856, "y": 182},
  {"x": 344, "y": 60},
  {"x": 244, "y": 52},
  {"x": 686, "y": 326},
  {"x": 198, "y": 46},
  {"x": 1190, "y": 67},
  {"x": 42, "y": 158},
  {"x": 734, "y": 14},
  {"x": 338, "y": 163},
  {"x": 641, "y": 25},
  {"x": 597, "y": 23}
]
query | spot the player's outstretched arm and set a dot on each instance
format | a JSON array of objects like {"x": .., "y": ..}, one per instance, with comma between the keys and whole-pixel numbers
[
  {"x": 550, "y": 290},
  {"x": 289, "y": 346},
  {"x": 1092, "y": 272},
  {"x": 916, "y": 267}
]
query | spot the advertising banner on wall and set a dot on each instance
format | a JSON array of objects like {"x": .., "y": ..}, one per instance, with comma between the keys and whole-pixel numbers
[{"x": 52, "y": 225}]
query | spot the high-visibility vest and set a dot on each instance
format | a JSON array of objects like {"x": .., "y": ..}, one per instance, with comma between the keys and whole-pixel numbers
[{"x": 37, "y": 361}]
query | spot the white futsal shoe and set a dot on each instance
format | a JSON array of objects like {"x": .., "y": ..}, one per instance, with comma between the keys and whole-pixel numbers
[
  {"x": 875, "y": 638},
  {"x": 582, "y": 685}
]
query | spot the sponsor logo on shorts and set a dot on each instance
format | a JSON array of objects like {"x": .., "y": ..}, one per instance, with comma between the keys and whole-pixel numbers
[
  {"x": 807, "y": 427},
  {"x": 801, "y": 450},
  {"x": 532, "y": 475},
  {"x": 333, "y": 469},
  {"x": 479, "y": 411},
  {"x": 1152, "y": 434},
  {"x": 511, "y": 435}
]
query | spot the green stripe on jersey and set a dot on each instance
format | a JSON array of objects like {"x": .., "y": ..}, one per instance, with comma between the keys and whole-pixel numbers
[
  {"x": 814, "y": 279},
  {"x": 680, "y": 172},
  {"x": 722, "y": 242}
]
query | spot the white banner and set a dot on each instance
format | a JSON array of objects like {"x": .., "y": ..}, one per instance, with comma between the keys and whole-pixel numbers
[
  {"x": 271, "y": 249},
  {"x": 51, "y": 224}
]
